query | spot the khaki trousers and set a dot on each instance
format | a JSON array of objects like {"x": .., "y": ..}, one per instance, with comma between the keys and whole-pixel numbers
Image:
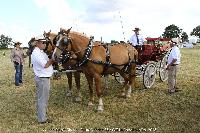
[{"x": 172, "y": 72}]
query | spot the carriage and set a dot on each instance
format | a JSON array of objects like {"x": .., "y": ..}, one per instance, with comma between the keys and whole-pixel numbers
[{"x": 152, "y": 59}]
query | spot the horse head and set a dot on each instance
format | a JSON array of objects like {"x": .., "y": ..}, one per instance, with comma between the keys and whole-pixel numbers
[
  {"x": 49, "y": 42},
  {"x": 62, "y": 46},
  {"x": 30, "y": 46}
]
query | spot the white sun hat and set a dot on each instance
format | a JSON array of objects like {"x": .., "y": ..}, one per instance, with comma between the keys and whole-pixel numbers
[
  {"x": 40, "y": 38},
  {"x": 176, "y": 40}
]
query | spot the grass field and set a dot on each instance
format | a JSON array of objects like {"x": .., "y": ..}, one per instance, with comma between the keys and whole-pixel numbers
[{"x": 152, "y": 110}]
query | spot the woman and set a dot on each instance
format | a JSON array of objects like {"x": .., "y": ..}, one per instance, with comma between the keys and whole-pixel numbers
[{"x": 17, "y": 57}]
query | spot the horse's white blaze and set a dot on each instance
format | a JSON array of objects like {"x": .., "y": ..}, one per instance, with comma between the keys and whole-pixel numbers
[
  {"x": 57, "y": 44},
  {"x": 54, "y": 51}
]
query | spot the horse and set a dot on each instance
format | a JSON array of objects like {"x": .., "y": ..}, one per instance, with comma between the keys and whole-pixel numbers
[{"x": 96, "y": 60}]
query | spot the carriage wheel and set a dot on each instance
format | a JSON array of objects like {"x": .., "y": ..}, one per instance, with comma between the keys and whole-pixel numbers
[
  {"x": 119, "y": 78},
  {"x": 149, "y": 75},
  {"x": 163, "y": 74}
]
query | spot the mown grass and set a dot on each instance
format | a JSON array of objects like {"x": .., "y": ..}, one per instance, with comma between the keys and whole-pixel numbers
[{"x": 151, "y": 110}]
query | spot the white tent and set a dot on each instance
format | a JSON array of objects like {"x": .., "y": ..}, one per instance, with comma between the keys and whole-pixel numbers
[{"x": 186, "y": 45}]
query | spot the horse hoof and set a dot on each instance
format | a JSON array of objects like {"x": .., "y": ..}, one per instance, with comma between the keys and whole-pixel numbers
[
  {"x": 128, "y": 95},
  {"x": 78, "y": 99},
  {"x": 123, "y": 95},
  {"x": 90, "y": 104},
  {"x": 100, "y": 109},
  {"x": 69, "y": 94}
]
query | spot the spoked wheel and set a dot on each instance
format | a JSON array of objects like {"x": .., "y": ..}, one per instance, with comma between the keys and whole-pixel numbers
[
  {"x": 163, "y": 74},
  {"x": 149, "y": 75},
  {"x": 119, "y": 78}
]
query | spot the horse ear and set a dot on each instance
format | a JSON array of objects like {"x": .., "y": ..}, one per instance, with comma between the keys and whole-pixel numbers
[
  {"x": 49, "y": 31},
  {"x": 68, "y": 30},
  {"x": 61, "y": 29}
]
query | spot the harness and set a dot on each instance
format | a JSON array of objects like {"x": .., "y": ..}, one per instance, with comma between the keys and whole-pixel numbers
[
  {"x": 66, "y": 55},
  {"x": 126, "y": 66}
]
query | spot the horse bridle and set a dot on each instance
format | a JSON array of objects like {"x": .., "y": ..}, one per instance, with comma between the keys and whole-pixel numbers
[{"x": 66, "y": 54}]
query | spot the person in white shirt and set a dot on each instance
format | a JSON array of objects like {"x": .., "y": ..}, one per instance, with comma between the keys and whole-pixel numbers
[
  {"x": 43, "y": 70},
  {"x": 137, "y": 39},
  {"x": 173, "y": 64}
]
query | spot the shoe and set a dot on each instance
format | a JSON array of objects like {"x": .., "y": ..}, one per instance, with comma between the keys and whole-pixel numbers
[
  {"x": 47, "y": 121},
  {"x": 173, "y": 91},
  {"x": 17, "y": 85}
]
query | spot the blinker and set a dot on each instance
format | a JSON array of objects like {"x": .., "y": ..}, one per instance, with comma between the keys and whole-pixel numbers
[{"x": 65, "y": 41}]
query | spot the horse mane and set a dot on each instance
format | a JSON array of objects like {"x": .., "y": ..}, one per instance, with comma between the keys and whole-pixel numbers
[{"x": 79, "y": 34}]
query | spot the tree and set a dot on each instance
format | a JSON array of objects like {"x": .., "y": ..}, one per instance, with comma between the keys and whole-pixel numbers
[
  {"x": 196, "y": 31},
  {"x": 184, "y": 36},
  {"x": 5, "y": 41},
  {"x": 172, "y": 31}
]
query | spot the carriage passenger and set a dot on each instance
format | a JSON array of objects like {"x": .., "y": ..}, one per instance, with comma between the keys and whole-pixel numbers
[
  {"x": 137, "y": 39},
  {"x": 43, "y": 70}
]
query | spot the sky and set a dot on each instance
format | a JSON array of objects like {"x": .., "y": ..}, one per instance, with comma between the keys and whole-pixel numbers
[{"x": 110, "y": 19}]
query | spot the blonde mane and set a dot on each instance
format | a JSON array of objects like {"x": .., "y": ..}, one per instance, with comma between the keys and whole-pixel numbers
[{"x": 79, "y": 34}]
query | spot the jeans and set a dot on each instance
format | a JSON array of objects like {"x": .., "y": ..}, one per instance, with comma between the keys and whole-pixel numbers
[{"x": 18, "y": 73}]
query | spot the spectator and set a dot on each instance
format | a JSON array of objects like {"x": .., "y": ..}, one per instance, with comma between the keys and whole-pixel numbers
[
  {"x": 173, "y": 64},
  {"x": 17, "y": 57}
]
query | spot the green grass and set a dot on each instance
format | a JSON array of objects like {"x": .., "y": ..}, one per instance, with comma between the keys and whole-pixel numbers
[{"x": 146, "y": 109}]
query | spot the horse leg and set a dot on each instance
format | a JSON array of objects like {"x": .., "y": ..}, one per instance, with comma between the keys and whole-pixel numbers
[
  {"x": 99, "y": 92},
  {"x": 77, "y": 80},
  {"x": 90, "y": 83},
  {"x": 69, "y": 91},
  {"x": 123, "y": 94},
  {"x": 132, "y": 82},
  {"x": 105, "y": 89}
]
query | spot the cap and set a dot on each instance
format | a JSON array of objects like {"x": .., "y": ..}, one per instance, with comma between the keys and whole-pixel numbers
[
  {"x": 40, "y": 38},
  {"x": 175, "y": 40},
  {"x": 17, "y": 43},
  {"x": 136, "y": 29}
]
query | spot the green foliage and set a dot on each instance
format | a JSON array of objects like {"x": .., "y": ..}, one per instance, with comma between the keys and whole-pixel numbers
[
  {"x": 5, "y": 41},
  {"x": 196, "y": 31},
  {"x": 171, "y": 31},
  {"x": 184, "y": 36}
]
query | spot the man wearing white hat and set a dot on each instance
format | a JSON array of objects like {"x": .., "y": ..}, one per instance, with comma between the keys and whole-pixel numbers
[
  {"x": 137, "y": 39},
  {"x": 43, "y": 70},
  {"x": 173, "y": 64}
]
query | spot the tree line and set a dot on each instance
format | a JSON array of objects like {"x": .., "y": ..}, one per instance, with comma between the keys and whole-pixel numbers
[{"x": 170, "y": 31}]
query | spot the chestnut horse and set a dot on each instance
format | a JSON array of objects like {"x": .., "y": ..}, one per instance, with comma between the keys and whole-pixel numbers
[{"x": 96, "y": 60}]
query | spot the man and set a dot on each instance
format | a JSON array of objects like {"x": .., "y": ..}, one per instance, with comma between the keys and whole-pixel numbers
[
  {"x": 173, "y": 64},
  {"x": 17, "y": 57},
  {"x": 43, "y": 70},
  {"x": 137, "y": 39}
]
